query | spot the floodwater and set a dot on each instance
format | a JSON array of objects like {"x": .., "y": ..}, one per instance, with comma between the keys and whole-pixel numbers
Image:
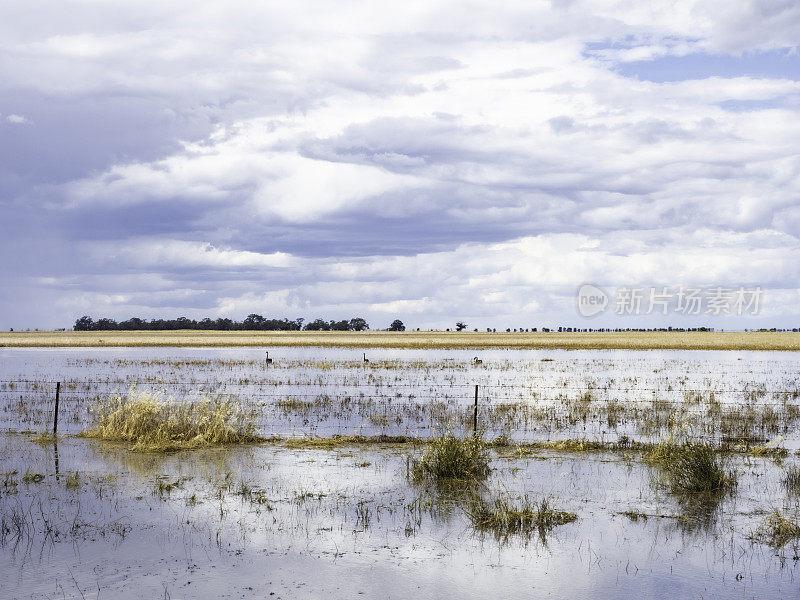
[
  {"x": 81, "y": 518},
  {"x": 523, "y": 394}
]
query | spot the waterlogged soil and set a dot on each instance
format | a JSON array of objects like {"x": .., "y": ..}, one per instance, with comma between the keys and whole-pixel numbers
[{"x": 86, "y": 519}]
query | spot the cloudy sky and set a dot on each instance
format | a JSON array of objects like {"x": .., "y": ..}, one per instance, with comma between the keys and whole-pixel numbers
[{"x": 429, "y": 160}]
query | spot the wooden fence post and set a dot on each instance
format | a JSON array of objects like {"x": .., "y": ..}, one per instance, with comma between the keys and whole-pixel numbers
[
  {"x": 475, "y": 414},
  {"x": 55, "y": 412}
]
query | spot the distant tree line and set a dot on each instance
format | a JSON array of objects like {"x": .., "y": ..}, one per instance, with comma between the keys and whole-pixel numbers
[{"x": 253, "y": 322}]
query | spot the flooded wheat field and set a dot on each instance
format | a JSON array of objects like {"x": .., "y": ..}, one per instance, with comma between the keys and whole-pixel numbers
[{"x": 584, "y": 482}]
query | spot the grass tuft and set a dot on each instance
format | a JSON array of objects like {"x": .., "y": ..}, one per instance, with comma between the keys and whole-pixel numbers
[
  {"x": 153, "y": 424},
  {"x": 73, "y": 481},
  {"x": 791, "y": 481},
  {"x": 504, "y": 517},
  {"x": 769, "y": 452},
  {"x": 449, "y": 458},
  {"x": 777, "y": 530},
  {"x": 692, "y": 469}
]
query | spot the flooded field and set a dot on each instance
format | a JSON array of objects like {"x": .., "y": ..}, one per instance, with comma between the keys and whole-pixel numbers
[
  {"x": 731, "y": 397},
  {"x": 304, "y": 514}
]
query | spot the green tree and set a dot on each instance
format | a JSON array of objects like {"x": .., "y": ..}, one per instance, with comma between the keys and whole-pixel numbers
[
  {"x": 340, "y": 325},
  {"x": 358, "y": 324},
  {"x": 397, "y": 325},
  {"x": 84, "y": 324},
  {"x": 317, "y": 325}
]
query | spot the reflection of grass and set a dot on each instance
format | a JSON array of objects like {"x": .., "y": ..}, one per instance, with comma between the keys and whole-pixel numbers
[
  {"x": 777, "y": 530},
  {"x": 449, "y": 458},
  {"x": 153, "y": 424},
  {"x": 634, "y": 340},
  {"x": 791, "y": 480},
  {"x": 504, "y": 517},
  {"x": 44, "y": 437}
]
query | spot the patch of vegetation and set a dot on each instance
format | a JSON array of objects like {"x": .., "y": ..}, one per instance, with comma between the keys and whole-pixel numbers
[
  {"x": 253, "y": 495},
  {"x": 30, "y": 477},
  {"x": 692, "y": 469},
  {"x": 45, "y": 437},
  {"x": 770, "y": 452},
  {"x": 164, "y": 487},
  {"x": 73, "y": 481},
  {"x": 580, "y": 445},
  {"x": 153, "y": 424},
  {"x": 791, "y": 481},
  {"x": 503, "y": 517},
  {"x": 8, "y": 484},
  {"x": 777, "y": 530},
  {"x": 502, "y": 441},
  {"x": 450, "y": 458},
  {"x": 338, "y": 441},
  {"x": 634, "y": 515}
]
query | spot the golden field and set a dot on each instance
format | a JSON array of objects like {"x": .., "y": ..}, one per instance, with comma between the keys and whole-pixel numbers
[{"x": 410, "y": 339}]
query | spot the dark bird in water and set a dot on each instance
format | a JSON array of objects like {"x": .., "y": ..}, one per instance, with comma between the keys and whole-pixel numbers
[
  {"x": 477, "y": 361},
  {"x": 269, "y": 360},
  {"x": 366, "y": 360}
]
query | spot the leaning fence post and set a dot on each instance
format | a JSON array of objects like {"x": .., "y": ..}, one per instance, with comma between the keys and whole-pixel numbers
[
  {"x": 475, "y": 414},
  {"x": 55, "y": 412}
]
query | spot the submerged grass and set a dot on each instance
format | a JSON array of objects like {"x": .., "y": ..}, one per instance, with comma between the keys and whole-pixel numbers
[
  {"x": 151, "y": 423},
  {"x": 339, "y": 441},
  {"x": 692, "y": 469},
  {"x": 504, "y": 517},
  {"x": 791, "y": 481},
  {"x": 450, "y": 458},
  {"x": 766, "y": 451},
  {"x": 777, "y": 530}
]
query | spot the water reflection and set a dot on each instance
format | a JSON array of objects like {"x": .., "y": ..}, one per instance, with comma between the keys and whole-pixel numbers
[{"x": 223, "y": 516}]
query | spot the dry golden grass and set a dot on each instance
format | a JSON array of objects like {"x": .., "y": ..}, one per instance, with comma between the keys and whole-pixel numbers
[
  {"x": 152, "y": 424},
  {"x": 450, "y": 458},
  {"x": 632, "y": 340}
]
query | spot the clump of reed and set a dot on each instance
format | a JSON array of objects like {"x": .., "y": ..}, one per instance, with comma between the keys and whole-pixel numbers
[
  {"x": 692, "y": 469},
  {"x": 503, "y": 517},
  {"x": 154, "y": 424},
  {"x": 768, "y": 451},
  {"x": 791, "y": 481},
  {"x": 450, "y": 458},
  {"x": 777, "y": 530}
]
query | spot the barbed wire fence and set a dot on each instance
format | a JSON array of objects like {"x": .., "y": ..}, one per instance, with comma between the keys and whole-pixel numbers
[{"x": 522, "y": 411}]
